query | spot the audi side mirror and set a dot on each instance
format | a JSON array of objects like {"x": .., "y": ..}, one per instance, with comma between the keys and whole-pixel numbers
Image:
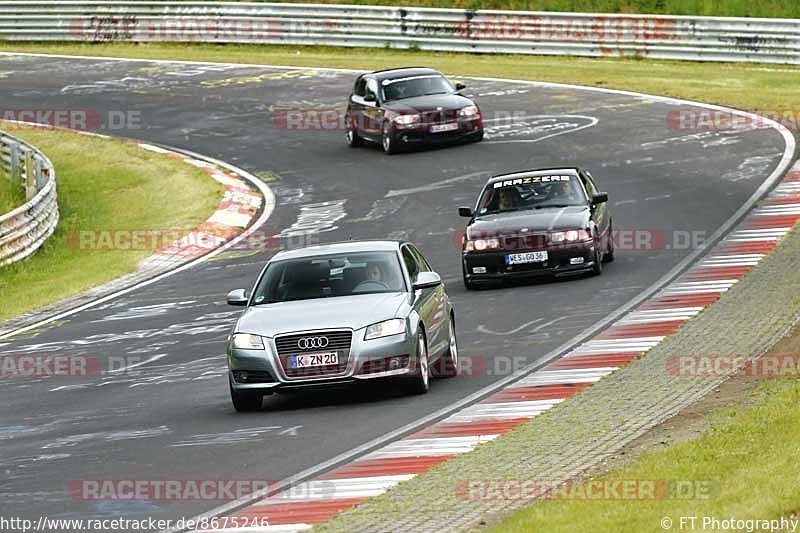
[
  {"x": 460, "y": 86},
  {"x": 465, "y": 212},
  {"x": 600, "y": 198},
  {"x": 238, "y": 297},
  {"x": 426, "y": 280},
  {"x": 370, "y": 97}
]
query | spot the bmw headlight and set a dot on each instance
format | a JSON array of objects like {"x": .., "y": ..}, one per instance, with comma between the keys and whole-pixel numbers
[
  {"x": 393, "y": 326},
  {"x": 407, "y": 120},
  {"x": 248, "y": 341},
  {"x": 469, "y": 111},
  {"x": 574, "y": 235},
  {"x": 492, "y": 243}
]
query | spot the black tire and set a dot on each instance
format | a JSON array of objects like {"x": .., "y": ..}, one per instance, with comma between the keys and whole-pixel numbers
[
  {"x": 447, "y": 365},
  {"x": 245, "y": 402},
  {"x": 352, "y": 138},
  {"x": 597, "y": 267},
  {"x": 608, "y": 257},
  {"x": 389, "y": 143},
  {"x": 477, "y": 137},
  {"x": 420, "y": 380}
]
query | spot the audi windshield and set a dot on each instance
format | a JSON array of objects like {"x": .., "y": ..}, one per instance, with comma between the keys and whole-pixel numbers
[
  {"x": 397, "y": 89},
  {"x": 330, "y": 276}
]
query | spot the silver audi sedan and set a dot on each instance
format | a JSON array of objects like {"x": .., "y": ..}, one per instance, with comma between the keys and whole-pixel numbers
[{"x": 338, "y": 314}]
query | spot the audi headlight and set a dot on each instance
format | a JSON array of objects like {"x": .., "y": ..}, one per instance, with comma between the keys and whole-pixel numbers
[
  {"x": 393, "y": 326},
  {"x": 469, "y": 111},
  {"x": 248, "y": 341},
  {"x": 407, "y": 120}
]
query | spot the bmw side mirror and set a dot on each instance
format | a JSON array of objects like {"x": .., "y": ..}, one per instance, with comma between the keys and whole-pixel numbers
[
  {"x": 369, "y": 97},
  {"x": 600, "y": 198},
  {"x": 460, "y": 86},
  {"x": 426, "y": 280},
  {"x": 238, "y": 297},
  {"x": 465, "y": 212}
]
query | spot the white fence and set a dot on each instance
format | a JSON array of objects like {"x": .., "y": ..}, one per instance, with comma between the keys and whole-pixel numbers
[
  {"x": 24, "y": 230},
  {"x": 484, "y": 31}
]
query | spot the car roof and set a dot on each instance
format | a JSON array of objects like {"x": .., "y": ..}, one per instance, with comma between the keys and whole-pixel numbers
[
  {"x": 405, "y": 72},
  {"x": 338, "y": 248},
  {"x": 535, "y": 172}
]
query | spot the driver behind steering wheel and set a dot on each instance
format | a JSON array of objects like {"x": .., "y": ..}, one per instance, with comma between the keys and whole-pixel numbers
[{"x": 374, "y": 272}]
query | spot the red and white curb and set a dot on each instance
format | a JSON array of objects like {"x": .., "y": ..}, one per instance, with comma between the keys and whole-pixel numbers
[
  {"x": 626, "y": 340},
  {"x": 246, "y": 205},
  {"x": 236, "y": 211}
]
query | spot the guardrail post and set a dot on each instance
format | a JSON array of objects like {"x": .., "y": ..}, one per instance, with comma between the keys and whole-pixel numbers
[
  {"x": 13, "y": 161},
  {"x": 37, "y": 172},
  {"x": 30, "y": 176},
  {"x": 5, "y": 166}
]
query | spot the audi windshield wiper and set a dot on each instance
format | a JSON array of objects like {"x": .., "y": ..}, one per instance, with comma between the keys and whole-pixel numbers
[{"x": 554, "y": 205}]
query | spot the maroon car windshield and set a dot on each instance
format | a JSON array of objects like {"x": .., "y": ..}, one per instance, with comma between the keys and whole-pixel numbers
[{"x": 414, "y": 86}]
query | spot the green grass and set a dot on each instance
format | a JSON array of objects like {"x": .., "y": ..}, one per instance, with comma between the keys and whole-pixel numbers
[
  {"x": 119, "y": 186},
  {"x": 12, "y": 194},
  {"x": 749, "y": 455},
  {"x": 724, "y": 8},
  {"x": 739, "y": 85}
]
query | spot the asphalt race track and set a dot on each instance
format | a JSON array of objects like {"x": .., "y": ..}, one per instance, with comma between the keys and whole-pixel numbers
[{"x": 171, "y": 418}]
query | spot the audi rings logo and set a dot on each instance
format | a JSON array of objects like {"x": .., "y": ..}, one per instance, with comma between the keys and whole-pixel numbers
[{"x": 307, "y": 343}]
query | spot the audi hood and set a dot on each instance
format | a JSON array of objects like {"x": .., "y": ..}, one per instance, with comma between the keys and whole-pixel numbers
[{"x": 354, "y": 312}]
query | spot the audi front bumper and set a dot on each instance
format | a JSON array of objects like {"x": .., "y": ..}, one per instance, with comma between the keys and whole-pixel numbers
[{"x": 367, "y": 360}]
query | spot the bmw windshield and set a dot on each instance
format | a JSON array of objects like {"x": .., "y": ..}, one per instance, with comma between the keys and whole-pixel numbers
[
  {"x": 415, "y": 86},
  {"x": 330, "y": 276},
  {"x": 532, "y": 192}
]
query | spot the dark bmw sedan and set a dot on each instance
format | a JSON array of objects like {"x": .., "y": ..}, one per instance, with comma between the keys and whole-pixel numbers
[
  {"x": 401, "y": 107},
  {"x": 537, "y": 222}
]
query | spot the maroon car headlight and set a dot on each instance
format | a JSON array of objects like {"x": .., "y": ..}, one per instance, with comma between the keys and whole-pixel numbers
[
  {"x": 469, "y": 112},
  {"x": 407, "y": 121},
  {"x": 573, "y": 235}
]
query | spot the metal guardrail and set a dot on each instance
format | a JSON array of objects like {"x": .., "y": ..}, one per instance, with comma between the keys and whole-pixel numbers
[
  {"x": 484, "y": 31},
  {"x": 24, "y": 230}
]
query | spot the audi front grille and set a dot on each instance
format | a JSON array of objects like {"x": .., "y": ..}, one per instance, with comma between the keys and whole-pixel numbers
[{"x": 306, "y": 343}]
